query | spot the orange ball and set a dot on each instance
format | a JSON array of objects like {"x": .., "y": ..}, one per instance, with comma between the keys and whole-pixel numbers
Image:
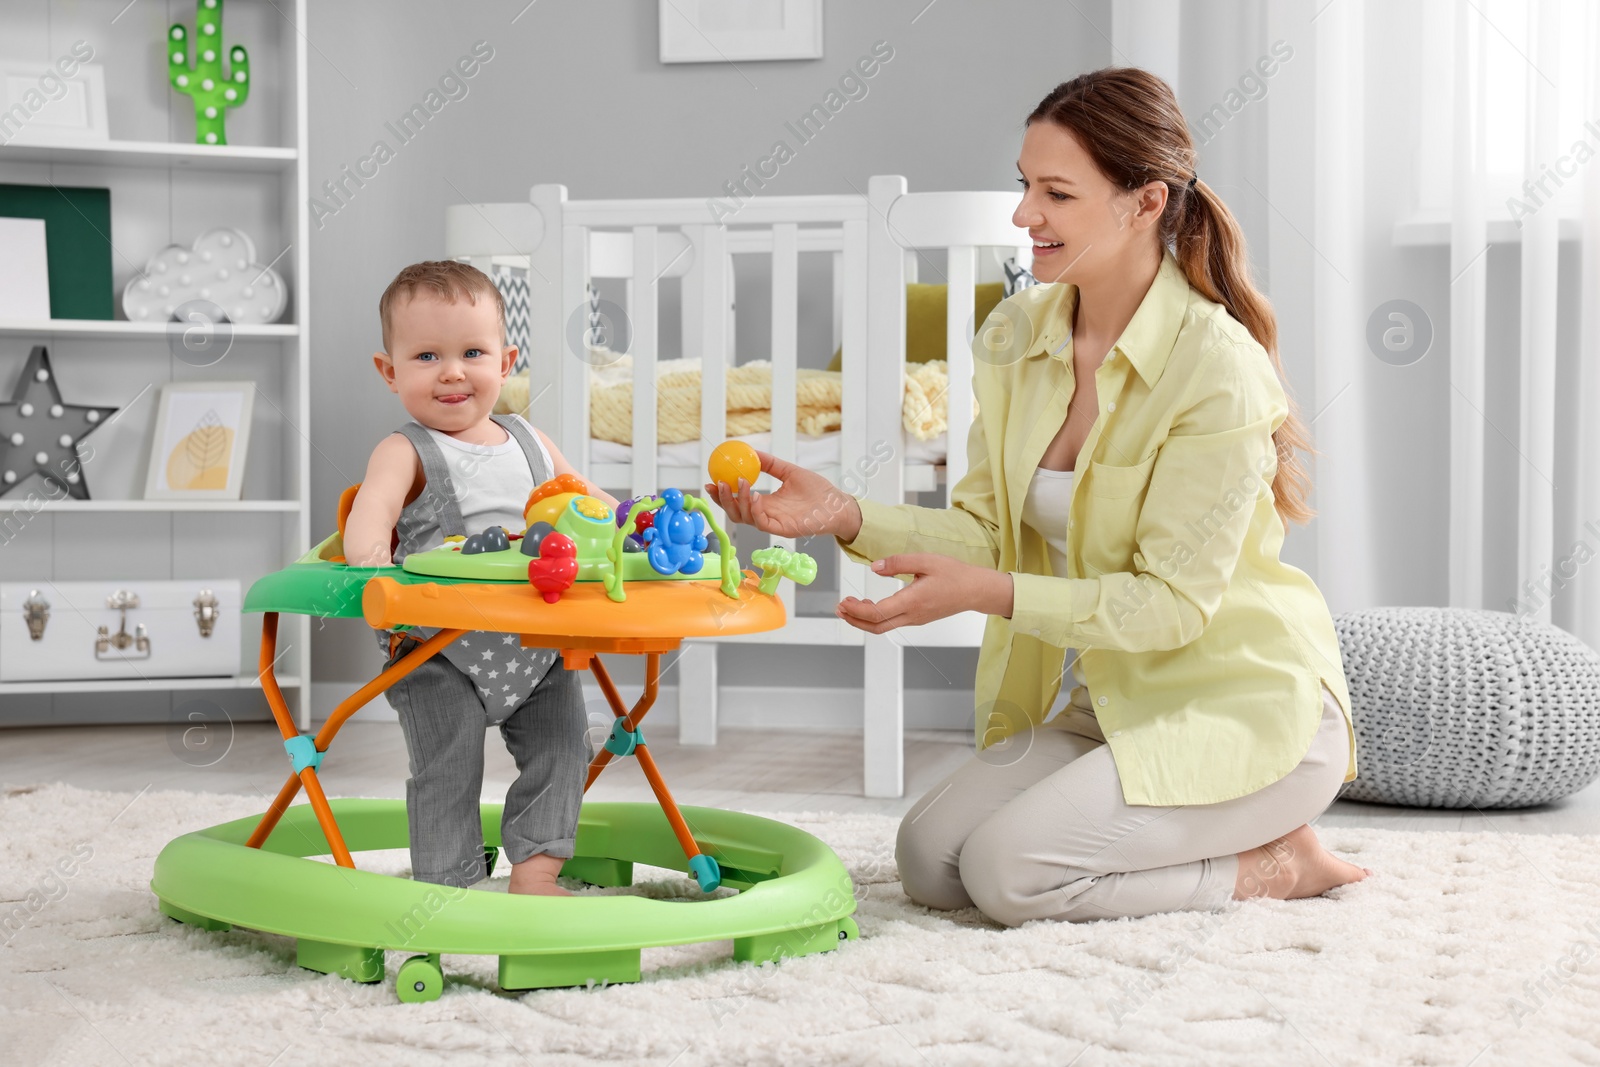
[{"x": 732, "y": 460}]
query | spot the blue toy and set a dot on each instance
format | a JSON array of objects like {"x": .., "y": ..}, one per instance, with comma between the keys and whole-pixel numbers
[{"x": 677, "y": 537}]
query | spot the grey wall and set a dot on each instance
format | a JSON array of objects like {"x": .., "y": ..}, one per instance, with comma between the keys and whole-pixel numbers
[{"x": 574, "y": 93}]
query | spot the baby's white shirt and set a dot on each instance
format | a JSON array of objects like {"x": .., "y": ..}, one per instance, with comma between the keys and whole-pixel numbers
[{"x": 491, "y": 482}]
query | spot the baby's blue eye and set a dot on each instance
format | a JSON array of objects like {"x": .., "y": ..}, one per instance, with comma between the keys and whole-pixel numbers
[
  {"x": 474, "y": 351},
  {"x": 425, "y": 355}
]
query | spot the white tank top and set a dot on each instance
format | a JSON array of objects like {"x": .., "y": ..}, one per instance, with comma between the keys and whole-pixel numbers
[
  {"x": 1044, "y": 509},
  {"x": 492, "y": 482}
]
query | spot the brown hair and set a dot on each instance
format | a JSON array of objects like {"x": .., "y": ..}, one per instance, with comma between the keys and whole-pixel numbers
[
  {"x": 1128, "y": 121},
  {"x": 444, "y": 278}
]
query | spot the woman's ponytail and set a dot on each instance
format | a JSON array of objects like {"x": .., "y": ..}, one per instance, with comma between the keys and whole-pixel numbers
[{"x": 1209, "y": 246}]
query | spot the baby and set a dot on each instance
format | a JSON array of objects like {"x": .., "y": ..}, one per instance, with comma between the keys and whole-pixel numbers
[{"x": 456, "y": 469}]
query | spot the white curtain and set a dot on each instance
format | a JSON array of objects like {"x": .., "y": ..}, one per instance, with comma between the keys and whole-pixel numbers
[{"x": 1420, "y": 186}]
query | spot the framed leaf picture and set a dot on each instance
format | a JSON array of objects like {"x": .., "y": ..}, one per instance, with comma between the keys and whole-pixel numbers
[{"x": 202, "y": 429}]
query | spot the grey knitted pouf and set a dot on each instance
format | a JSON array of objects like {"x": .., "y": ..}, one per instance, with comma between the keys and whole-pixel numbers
[{"x": 1458, "y": 708}]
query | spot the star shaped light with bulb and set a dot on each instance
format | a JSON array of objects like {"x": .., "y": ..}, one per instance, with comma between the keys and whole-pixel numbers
[{"x": 39, "y": 432}]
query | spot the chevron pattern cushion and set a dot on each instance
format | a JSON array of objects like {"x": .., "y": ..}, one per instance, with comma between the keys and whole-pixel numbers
[
  {"x": 1458, "y": 708},
  {"x": 513, "y": 285}
]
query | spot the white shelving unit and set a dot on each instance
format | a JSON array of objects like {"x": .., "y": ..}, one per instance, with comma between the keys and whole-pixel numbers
[
  {"x": 166, "y": 189},
  {"x": 121, "y": 328},
  {"x": 164, "y": 685},
  {"x": 174, "y": 506},
  {"x": 160, "y": 154}
]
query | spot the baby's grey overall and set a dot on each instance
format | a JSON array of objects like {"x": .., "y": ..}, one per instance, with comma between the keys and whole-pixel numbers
[{"x": 482, "y": 679}]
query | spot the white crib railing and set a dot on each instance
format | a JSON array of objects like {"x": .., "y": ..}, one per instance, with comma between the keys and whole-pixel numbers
[{"x": 568, "y": 245}]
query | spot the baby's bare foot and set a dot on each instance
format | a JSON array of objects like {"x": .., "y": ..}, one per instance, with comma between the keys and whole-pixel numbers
[
  {"x": 536, "y": 876},
  {"x": 1293, "y": 867}
]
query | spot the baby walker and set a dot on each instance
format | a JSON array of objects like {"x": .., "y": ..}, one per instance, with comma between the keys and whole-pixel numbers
[{"x": 581, "y": 580}]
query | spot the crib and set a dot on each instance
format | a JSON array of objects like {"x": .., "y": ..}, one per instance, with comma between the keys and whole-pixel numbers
[{"x": 569, "y": 247}]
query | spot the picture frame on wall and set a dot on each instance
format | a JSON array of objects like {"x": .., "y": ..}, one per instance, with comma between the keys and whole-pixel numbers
[
  {"x": 40, "y": 107},
  {"x": 201, "y": 435},
  {"x": 718, "y": 31}
]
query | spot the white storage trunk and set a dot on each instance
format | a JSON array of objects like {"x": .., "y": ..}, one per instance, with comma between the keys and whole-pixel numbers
[{"x": 111, "y": 629}]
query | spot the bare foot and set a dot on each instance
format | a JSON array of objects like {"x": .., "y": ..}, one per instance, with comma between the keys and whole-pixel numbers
[
  {"x": 536, "y": 876},
  {"x": 1294, "y": 866}
]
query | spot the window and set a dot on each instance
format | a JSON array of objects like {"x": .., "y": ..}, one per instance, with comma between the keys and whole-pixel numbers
[{"x": 1500, "y": 36}]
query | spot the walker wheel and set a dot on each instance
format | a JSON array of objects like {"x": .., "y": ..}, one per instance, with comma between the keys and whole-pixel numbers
[
  {"x": 420, "y": 980},
  {"x": 848, "y": 930}
]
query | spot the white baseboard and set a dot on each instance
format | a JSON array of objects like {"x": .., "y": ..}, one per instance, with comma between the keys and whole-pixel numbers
[{"x": 817, "y": 708}]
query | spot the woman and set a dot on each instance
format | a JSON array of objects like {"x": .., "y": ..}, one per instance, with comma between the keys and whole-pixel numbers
[{"x": 1209, "y": 721}]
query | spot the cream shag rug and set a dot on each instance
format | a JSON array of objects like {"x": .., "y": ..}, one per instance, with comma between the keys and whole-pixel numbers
[{"x": 1464, "y": 948}]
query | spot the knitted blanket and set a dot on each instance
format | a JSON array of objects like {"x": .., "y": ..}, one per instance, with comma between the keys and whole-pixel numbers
[{"x": 749, "y": 399}]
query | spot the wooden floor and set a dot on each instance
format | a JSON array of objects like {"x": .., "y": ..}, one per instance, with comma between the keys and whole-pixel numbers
[{"x": 748, "y": 770}]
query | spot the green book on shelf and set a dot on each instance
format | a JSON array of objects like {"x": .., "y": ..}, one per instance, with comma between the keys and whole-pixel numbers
[{"x": 77, "y": 239}]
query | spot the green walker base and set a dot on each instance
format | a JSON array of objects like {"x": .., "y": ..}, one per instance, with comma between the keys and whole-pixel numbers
[{"x": 795, "y": 897}]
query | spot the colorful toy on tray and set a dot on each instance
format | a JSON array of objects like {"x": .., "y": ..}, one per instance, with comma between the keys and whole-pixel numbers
[{"x": 572, "y": 536}]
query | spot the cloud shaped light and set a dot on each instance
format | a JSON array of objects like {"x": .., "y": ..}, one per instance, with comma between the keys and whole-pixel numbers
[{"x": 221, "y": 268}]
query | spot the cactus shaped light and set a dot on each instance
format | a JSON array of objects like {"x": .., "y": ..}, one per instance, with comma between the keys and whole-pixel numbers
[{"x": 212, "y": 91}]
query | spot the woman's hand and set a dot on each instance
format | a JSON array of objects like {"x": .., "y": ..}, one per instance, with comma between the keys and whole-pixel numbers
[
  {"x": 941, "y": 586},
  {"x": 806, "y": 503}
]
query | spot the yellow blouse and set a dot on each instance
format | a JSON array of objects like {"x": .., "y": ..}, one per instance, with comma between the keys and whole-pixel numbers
[{"x": 1203, "y": 652}]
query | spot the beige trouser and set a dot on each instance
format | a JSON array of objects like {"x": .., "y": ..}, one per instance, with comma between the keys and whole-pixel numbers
[{"x": 1043, "y": 833}]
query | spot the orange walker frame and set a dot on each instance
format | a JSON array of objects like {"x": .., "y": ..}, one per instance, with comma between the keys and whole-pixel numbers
[{"x": 576, "y": 654}]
